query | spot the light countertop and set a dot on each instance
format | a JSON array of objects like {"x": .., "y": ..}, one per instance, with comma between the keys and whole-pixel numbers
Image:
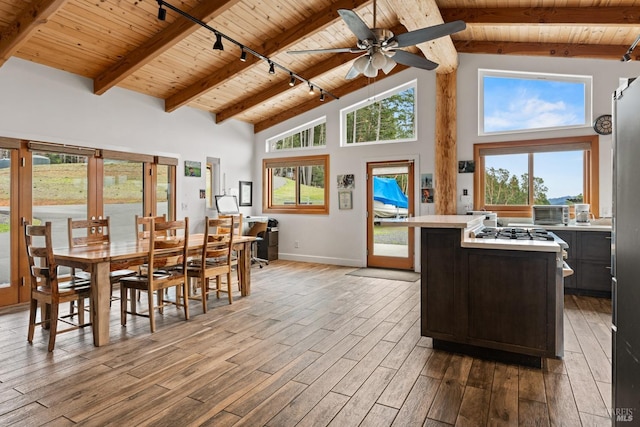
[
  {"x": 571, "y": 226},
  {"x": 438, "y": 221}
]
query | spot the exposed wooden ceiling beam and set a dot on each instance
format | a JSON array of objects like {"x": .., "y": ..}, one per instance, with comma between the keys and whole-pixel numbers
[
  {"x": 417, "y": 14},
  {"x": 559, "y": 50},
  {"x": 312, "y": 73},
  {"x": 158, "y": 44},
  {"x": 614, "y": 16},
  {"x": 351, "y": 86},
  {"x": 14, "y": 35},
  {"x": 313, "y": 24}
]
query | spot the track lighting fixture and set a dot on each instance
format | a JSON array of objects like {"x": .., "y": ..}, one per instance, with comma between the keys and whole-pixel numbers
[
  {"x": 162, "y": 14},
  {"x": 218, "y": 44},
  {"x": 627, "y": 56}
]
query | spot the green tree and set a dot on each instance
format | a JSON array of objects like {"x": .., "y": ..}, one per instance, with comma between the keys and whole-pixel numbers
[{"x": 503, "y": 188}]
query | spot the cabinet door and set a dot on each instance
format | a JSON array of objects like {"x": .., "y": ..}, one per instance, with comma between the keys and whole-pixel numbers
[
  {"x": 594, "y": 276},
  {"x": 594, "y": 245}
]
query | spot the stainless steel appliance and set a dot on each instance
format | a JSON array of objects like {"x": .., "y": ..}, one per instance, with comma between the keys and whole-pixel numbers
[
  {"x": 550, "y": 214},
  {"x": 625, "y": 247}
]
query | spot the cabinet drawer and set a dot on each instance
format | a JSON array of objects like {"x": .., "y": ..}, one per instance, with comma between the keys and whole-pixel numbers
[
  {"x": 272, "y": 238},
  {"x": 594, "y": 245}
]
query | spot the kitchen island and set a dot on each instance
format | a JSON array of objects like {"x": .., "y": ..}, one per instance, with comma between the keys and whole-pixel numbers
[{"x": 490, "y": 298}]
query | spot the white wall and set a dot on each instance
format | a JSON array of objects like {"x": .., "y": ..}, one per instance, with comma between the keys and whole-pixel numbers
[
  {"x": 340, "y": 237},
  {"x": 45, "y": 104}
]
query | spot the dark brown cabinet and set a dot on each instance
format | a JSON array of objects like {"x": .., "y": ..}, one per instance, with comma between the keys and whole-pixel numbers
[
  {"x": 268, "y": 246},
  {"x": 589, "y": 256}
]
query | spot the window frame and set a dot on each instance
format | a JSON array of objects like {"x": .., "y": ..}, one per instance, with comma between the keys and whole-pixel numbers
[
  {"x": 589, "y": 143},
  {"x": 309, "y": 126},
  {"x": 413, "y": 84},
  {"x": 588, "y": 98},
  {"x": 268, "y": 164}
]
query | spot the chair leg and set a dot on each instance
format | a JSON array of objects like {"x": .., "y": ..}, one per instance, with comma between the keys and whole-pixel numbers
[
  {"x": 204, "y": 290},
  {"x": 81, "y": 311},
  {"x": 185, "y": 298},
  {"x": 229, "y": 288},
  {"x": 53, "y": 326},
  {"x": 33, "y": 309},
  {"x": 123, "y": 304},
  {"x": 152, "y": 314}
]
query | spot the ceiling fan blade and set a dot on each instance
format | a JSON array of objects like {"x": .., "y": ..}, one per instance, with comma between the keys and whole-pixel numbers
[
  {"x": 407, "y": 58},
  {"x": 430, "y": 33},
  {"x": 356, "y": 25},
  {"x": 335, "y": 50}
]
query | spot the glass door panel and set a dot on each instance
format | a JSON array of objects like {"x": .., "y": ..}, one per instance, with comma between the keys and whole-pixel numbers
[
  {"x": 163, "y": 186},
  {"x": 390, "y": 200},
  {"x": 123, "y": 196},
  {"x": 8, "y": 295}
]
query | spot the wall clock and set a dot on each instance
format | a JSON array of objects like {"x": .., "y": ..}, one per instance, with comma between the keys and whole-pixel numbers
[{"x": 603, "y": 124}]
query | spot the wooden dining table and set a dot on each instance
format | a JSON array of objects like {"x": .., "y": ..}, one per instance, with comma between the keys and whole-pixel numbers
[{"x": 99, "y": 261}]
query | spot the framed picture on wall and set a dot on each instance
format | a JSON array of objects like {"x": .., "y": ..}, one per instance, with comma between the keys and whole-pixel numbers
[
  {"x": 246, "y": 193},
  {"x": 345, "y": 199},
  {"x": 192, "y": 168}
]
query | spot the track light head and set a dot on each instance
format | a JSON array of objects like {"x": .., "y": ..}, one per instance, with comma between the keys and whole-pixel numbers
[
  {"x": 321, "y": 95},
  {"x": 218, "y": 44},
  {"x": 243, "y": 55},
  {"x": 311, "y": 92},
  {"x": 162, "y": 13},
  {"x": 626, "y": 57},
  {"x": 272, "y": 68},
  {"x": 292, "y": 80}
]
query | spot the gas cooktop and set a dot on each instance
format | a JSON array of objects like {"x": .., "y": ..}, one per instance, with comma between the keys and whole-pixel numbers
[{"x": 515, "y": 233}]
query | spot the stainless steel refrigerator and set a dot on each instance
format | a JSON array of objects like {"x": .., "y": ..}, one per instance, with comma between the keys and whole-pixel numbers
[{"x": 625, "y": 255}]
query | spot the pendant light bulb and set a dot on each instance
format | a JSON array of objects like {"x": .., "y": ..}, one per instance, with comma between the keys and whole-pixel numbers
[
  {"x": 361, "y": 63},
  {"x": 378, "y": 60}
]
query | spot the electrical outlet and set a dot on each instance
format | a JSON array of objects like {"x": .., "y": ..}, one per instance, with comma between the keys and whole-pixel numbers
[{"x": 296, "y": 244}]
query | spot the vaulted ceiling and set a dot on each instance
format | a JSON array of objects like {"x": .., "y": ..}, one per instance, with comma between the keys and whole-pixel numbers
[{"x": 122, "y": 43}]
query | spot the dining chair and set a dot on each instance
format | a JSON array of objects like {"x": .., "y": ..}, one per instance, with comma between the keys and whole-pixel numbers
[
  {"x": 215, "y": 260},
  {"x": 47, "y": 289},
  {"x": 143, "y": 225},
  {"x": 257, "y": 230},
  {"x": 93, "y": 232},
  {"x": 170, "y": 251},
  {"x": 235, "y": 253}
]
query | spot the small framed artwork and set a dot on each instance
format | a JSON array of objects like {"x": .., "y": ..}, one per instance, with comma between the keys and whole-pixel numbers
[
  {"x": 345, "y": 200},
  {"x": 246, "y": 193},
  {"x": 466, "y": 166},
  {"x": 346, "y": 182},
  {"x": 192, "y": 168}
]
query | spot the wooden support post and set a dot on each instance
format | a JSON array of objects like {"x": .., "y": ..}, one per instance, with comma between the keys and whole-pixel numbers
[{"x": 445, "y": 140}]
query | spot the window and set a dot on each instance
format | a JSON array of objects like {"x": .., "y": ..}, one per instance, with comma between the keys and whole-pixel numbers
[
  {"x": 296, "y": 185},
  {"x": 515, "y": 101},
  {"x": 512, "y": 176},
  {"x": 388, "y": 117},
  {"x": 309, "y": 135}
]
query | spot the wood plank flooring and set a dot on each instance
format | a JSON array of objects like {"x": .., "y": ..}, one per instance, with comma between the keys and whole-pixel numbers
[{"x": 311, "y": 346}]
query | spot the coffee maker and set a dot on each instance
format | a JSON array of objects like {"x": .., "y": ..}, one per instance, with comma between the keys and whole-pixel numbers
[{"x": 583, "y": 217}]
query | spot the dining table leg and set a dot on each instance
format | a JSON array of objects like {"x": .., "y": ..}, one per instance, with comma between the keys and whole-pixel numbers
[
  {"x": 100, "y": 301},
  {"x": 245, "y": 288}
]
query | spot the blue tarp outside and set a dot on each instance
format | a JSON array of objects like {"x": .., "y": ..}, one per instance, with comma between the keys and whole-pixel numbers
[{"x": 387, "y": 190}]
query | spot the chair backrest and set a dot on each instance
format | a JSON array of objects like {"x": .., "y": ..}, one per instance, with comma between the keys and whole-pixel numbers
[
  {"x": 168, "y": 243},
  {"x": 42, "y": 266},
  {"x": 237, "y": 223},
  {"x": 218, "y": 239},
  {"x": 257, "y": 229},
  {"x": 143, "y": 225},
  {"x": 88, "y": 232}
]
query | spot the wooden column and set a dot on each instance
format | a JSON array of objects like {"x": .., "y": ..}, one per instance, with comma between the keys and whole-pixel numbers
[{"x": 446, "y": 174}]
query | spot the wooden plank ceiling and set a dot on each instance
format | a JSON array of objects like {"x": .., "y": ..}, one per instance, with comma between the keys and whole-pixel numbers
[{"x": 122, "y": 43}]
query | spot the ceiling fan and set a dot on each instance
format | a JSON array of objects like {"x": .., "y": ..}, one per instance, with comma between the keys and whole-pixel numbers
[{"x": 382, "y": 48}]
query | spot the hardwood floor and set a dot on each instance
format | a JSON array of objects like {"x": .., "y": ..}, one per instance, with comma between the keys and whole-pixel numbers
[{"x": 311, "y": 346}]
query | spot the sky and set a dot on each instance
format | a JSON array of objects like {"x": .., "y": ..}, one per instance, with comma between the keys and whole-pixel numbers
[{"x": 518, "y": 104}]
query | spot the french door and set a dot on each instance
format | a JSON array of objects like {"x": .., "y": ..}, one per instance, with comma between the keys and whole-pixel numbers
[{"x": 390, "y": 199}]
